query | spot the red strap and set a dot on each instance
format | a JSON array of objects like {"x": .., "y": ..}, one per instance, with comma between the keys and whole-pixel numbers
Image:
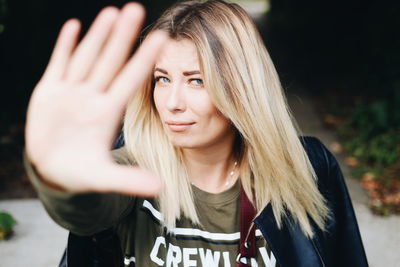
[{"x": 247, "y": 248}]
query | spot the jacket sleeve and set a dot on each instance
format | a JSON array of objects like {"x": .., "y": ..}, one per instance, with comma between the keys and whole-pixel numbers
[
  {"x": 341, "y": 242},
  {"x": 82, "y": 214}
]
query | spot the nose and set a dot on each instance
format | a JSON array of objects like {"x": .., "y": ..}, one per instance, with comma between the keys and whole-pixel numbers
[{"x": 176, "y": 98}]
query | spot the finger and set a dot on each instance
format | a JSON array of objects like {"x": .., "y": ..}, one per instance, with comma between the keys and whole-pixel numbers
[
  {"x": 129, "y": 180},
  {"x": 137, "y": 69},
  {"x": 63, "y": 49},
  {"x": 118, "y": 48},
  {"x": 91, "y": 45}
]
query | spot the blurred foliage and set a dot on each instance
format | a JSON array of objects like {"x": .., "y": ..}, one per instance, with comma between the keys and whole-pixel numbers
[
  {"x": 370, "y": 132},
  {"x": 378, "y": 150},
  {"x": 7, "y": 223}
]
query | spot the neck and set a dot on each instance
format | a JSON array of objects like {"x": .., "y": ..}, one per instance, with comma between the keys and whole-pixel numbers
[{"x": 209, "y": 168}]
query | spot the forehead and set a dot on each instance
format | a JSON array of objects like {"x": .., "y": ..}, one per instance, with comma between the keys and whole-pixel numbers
[{"x": 178, "y": 55}]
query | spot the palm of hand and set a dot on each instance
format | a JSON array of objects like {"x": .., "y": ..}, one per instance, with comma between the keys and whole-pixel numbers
[{"x": 76, "y": 107}]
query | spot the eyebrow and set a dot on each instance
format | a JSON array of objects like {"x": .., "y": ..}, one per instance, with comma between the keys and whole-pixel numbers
[{"x": 185, "y": 73}]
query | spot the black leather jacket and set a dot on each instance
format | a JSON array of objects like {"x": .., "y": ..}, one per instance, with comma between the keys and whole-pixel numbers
[{"x": 339, "y": 246}]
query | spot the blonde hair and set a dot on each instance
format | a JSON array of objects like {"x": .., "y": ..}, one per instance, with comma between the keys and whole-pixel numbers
[{"x": 243, "y": 84}]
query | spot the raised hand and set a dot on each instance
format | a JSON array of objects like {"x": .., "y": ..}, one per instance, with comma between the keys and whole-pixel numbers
[{"x": 76, "y": 107}]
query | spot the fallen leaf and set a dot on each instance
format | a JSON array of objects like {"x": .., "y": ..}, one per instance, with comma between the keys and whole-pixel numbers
[
  {"x": 368, "y": 176},
  {"x": 351, "y": 161},
  {"x": 336, "y": 147},
  {"x": 332, "y": 120}
]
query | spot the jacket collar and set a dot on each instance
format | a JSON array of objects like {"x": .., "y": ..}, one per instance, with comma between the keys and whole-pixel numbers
[{"x": 289, "y": 245}]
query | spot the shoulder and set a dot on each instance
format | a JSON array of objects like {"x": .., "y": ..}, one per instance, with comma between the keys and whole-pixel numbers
[
  {"x": 314, "y": 148},
  {"x": 320, "y": 157},
  {"x": 330, "y": 180},
  {"x": 325, "y": 165}
]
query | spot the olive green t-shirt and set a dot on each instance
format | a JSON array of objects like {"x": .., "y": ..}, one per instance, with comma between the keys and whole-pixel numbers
[
  {"x": 138, "y": 222},
  {"x": 214, "y": 243}
]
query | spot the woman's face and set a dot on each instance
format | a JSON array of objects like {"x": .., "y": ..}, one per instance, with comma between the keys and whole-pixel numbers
[{"x": 189, "y": 117}]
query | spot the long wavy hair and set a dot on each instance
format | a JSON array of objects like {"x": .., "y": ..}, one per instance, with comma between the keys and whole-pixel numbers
[{"x": 243, "y": 84}]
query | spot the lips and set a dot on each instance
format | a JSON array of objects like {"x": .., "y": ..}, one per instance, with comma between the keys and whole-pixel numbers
[
  {"x": 179, "y": 123},
  {"x": 179, "y": 126}
]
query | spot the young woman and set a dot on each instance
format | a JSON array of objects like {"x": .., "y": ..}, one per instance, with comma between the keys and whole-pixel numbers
[{"x": 207, "y": 131}]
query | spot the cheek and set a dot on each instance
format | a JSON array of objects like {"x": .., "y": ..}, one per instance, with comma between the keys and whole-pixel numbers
[
  {"x": 158, "y": 101},
  {"x": 201, "y": 104},
  {"x": 220, "y": 123},
  {"x": 213, "y": 120},
  {"x": 217, "y": 129}
]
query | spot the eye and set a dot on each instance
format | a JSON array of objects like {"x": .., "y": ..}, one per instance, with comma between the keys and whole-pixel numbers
[
  {"x": 197, "y": 82},
  {"x": 161, "y": 79}
]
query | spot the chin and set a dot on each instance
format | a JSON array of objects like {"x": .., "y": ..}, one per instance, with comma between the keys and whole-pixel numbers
[{"x": 184, "y": 143}]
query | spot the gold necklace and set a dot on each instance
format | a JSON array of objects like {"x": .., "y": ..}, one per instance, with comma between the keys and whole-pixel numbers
[
  {"x": 230, "y": 177},
  {"x": 231, "y": 174}
]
